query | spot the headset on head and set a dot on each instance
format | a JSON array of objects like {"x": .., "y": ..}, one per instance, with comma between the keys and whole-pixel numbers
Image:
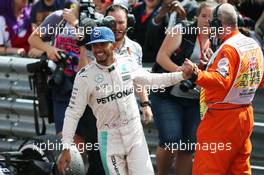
[
  {"x": 216, "y": 22},
  {"x": 111, "y": 8},
  {"x": 130, "y": 17}
]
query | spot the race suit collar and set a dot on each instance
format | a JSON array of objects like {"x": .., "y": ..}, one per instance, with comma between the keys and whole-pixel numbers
[
  {"x": 107, "y": 68},
  {"x": 230, "y": 35}
]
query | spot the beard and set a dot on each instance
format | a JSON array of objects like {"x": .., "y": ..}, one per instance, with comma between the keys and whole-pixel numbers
[
  {"x": 119, "y": 36},
  {"x": 104, "y": 58}
]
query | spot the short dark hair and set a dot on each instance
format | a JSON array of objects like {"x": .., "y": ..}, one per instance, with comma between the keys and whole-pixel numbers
[{"x": 116, "y": 7}]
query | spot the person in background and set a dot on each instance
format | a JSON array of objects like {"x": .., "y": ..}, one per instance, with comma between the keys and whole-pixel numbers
[
  {"x": 176, "y": 111},
  {"x": 40, "y": 10},
  {"x": 158, "y": 26},
  {"x": 169, "y": 14},
  {"x": 15, "y": 27},
  {"x": 144, "y": 12},
  {"x": 102, "y": 5},
  {"x": 246, "y": 7},
  {"x": 63, "y": 42},
  {"x": 125, "y": 46}
]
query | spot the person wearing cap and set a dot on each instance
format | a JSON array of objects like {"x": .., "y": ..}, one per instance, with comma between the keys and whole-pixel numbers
[
  {"x": 64, "y": 24},
  {"x": 107, "y": 86}
]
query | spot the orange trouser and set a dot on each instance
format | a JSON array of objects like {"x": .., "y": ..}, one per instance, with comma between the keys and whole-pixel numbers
[{"x": 224, "y": 140}]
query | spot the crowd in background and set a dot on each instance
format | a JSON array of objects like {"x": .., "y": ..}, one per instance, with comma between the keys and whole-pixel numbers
[{"x": 19, "y": 18}]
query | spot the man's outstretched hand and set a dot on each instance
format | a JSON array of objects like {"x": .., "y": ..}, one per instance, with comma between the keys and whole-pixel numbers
[
  {"x": 64, "y": 161},
  {"x": 187, "y": 69}
]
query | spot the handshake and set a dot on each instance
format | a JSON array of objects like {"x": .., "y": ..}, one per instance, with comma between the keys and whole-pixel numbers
[
  {"x": 189, "y": 69},
  {"x": 189, "y": 73}
]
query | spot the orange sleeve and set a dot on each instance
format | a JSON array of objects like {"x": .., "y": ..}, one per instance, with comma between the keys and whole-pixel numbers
[
  {"x": 262, "y": 82},
  {"x": 222, "y": 72}
]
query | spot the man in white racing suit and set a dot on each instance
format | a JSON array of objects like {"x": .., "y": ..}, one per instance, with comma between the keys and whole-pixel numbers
[{"x": 107, "y": 86}]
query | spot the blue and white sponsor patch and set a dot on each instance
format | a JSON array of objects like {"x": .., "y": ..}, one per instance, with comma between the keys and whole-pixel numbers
[
  {"x": 96, "y": 33},
  {"x": 223, "y": 67}
]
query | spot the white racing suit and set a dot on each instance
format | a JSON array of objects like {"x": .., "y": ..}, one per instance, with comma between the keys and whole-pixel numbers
[{"x": 109, "y": 91}]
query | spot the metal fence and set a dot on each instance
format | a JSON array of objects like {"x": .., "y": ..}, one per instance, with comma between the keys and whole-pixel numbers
[
  {"x": 17, "y": 123},
  {"x": 16, "y": 103}
]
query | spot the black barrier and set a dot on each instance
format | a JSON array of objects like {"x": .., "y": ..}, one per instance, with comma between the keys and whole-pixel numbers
[{"x": 39, "y": 156}]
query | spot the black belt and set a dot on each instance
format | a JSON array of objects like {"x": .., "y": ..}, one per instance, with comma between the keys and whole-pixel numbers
[{"x": 231, "y": 107}]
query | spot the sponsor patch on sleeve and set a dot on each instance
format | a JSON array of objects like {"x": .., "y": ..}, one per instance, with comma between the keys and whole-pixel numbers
[{"x": 223, "y": 67}]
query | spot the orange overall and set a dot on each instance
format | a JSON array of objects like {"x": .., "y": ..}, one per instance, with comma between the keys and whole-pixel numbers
[{"x": 223, "y": 137}]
